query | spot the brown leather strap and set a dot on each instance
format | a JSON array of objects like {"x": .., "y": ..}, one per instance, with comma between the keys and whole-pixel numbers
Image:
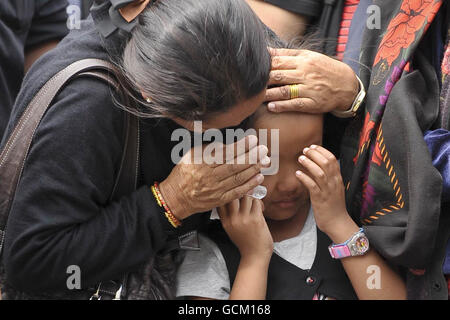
[
  {"x": 99, "y": 74},
  {"x": 15, "y": 151}
]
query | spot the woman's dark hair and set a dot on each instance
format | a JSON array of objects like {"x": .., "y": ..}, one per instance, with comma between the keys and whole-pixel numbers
[{"x": 196, "y": 58}]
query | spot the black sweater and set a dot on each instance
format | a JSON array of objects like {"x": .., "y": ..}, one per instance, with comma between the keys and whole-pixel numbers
[{"x": 60, "y": 215}]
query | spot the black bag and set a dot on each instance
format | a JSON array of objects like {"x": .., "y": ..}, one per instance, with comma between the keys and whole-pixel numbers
[{"x": 154, "y": 279}]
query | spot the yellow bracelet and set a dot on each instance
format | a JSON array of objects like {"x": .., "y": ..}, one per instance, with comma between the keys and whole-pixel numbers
[
  {"x": 156, "y": 196},
  {"x": 172, "y": 222},
  {"x": 168, "y": 213}
]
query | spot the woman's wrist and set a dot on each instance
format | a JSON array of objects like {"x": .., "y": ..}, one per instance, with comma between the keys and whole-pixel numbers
[
  {"x": 349, "y": 94},
  {"x": 171, "y": 197}
]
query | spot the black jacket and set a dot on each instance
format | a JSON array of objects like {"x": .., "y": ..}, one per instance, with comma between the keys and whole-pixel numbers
[
  {"x": 60, "y": 215},
  {"x": 24, "y": 24}
]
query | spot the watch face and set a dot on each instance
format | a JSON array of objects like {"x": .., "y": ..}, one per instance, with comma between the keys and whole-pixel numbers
[{"x": 361, "y": 244}]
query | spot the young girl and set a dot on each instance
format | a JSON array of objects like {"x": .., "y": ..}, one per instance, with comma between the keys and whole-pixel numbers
[{"x": 278, "y": 248}]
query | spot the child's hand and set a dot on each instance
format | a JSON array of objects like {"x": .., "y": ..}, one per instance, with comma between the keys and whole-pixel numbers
[
  {"x": 323, "y": 179},
  {"x": 244, "y": 223}
]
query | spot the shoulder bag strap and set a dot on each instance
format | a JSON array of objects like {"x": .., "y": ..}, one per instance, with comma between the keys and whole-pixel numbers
[{"x": 15, "y": 151}]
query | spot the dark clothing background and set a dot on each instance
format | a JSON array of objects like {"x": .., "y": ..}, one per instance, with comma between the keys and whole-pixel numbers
[
  {"x": 84, "y": 5},
  {"x": 324, "y": 16},
  {"x": 309, "y": 8},
  {"x": 23, "y": 25}
]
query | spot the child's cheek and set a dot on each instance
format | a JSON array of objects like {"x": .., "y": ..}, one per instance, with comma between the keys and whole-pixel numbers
[{"x": 269, "y": 183}]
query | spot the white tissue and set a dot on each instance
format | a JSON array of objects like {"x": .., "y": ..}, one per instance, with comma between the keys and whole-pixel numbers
[
  {"x": 259, "y": 192},
  {"x": 214, "y": 214}
]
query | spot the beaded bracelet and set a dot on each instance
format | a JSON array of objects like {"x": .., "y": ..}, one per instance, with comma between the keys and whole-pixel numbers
[
  {"x": 169, "y": 215},
  {"x": 160, "y": 200}
]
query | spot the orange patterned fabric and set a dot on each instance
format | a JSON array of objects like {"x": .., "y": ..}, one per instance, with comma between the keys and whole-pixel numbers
[{"x": 402, "y": 30}]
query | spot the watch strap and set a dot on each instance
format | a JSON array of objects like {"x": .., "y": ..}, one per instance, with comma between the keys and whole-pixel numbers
[
  {"x": 339, "y": 251},
  {"x": 342, "y": 250}
]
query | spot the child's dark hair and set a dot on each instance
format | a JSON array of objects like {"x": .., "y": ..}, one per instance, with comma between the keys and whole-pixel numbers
[{"x": 195, "y": 58}]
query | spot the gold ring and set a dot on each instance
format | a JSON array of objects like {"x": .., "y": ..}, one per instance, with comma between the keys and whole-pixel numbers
[{"x": 294, "y": 89}]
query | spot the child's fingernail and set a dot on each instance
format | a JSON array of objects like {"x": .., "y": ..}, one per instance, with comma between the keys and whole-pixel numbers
[
  {"x": 313, "y": 146},
  {"x": 271, "y": 106},
  {"x": 305, "y": 150},
  {"x": 298, "y": 173},
  {"x": 265, "y": 161},
  {"x": 302, "y": 158}
]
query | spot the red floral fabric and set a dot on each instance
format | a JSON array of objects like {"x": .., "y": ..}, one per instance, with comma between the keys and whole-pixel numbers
[{"x": 401, "y": 32}]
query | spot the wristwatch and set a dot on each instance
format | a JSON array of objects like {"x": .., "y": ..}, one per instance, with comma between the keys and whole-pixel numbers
[
  {"x": 356, "y": 103},
  {"x": 357, "y": 245}
]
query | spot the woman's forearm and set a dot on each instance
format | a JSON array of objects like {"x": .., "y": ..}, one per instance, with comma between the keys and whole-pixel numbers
[
  {"x": 251, "y": 280},
  {"x": 384, "y": 284}
]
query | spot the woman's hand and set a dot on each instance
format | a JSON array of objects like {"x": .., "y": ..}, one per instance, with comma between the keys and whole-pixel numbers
[
  {"x": 325, "y": 84},
  {"x": 323, "y": 179},
  {"x": 244, "y": 222},
  {"x": 198, "y": 186}
]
